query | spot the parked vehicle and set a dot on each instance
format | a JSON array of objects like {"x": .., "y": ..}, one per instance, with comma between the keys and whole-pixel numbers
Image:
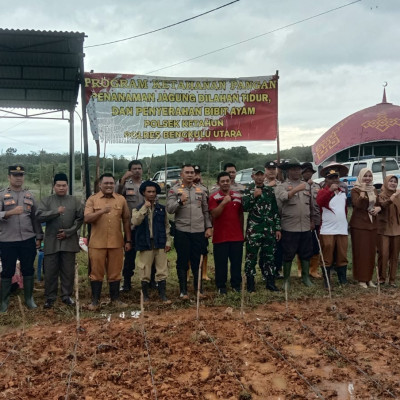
[
  {"x": 173, "y": 177},
  {"x": 375, "y": 165},
  {"x": 244, "y": 177}
]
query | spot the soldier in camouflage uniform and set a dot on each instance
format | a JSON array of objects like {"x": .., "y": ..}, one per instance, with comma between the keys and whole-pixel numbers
[{"x": 263, "y": 229}]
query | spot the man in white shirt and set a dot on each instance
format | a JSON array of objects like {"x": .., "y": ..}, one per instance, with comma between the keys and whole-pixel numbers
[{"x": 334, "y": 232}]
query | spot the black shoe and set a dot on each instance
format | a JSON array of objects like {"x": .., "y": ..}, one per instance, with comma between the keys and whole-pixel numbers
[
  {"x": 222, "y": 291},
  {"x": 270, "y": 284},
  {"x": 49, "y": 304},
  {"x": 126, "y": 288},
  {"x": 68, "y": 301}
]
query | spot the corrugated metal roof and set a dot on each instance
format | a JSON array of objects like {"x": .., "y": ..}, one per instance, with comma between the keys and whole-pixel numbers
[{"x": 40, "y": 69}]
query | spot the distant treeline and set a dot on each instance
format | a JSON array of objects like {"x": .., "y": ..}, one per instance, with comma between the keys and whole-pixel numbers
[{"x": 41, "y": 166}]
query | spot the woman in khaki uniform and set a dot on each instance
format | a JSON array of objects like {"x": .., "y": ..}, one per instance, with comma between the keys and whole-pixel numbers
[
  {"x": 364, "y": 228},
  {"x": 389, "y": 230}
]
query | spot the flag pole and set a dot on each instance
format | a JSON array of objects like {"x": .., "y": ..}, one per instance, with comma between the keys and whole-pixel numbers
[{"x": 278, "y": 149}]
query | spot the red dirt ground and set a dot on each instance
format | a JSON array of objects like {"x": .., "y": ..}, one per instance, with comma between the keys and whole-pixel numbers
[{"x": 347, "y": 349}]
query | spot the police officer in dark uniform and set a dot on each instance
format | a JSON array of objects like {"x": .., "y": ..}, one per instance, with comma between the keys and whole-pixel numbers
[
  {"x": 20, "y": 235},
  {"x": 129, "y": 186}
]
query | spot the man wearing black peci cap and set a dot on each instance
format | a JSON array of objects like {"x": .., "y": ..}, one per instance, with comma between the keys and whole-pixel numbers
[
  {"x": 63, "y": 215},
  {"x": 20, "y": 235}
]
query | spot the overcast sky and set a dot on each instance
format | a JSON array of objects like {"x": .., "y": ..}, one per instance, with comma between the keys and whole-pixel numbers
[{"x": 329, "y": 66}]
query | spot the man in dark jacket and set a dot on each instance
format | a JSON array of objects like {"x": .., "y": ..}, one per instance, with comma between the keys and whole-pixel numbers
[{"x": 152, "y": 239}]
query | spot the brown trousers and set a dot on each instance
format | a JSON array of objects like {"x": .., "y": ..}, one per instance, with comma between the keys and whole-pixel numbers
[
  {"x": 106, "y": 261},
  {"x": 334, "y": 248},
  {"x": 388, "y": 255},
  {"x": 145, "y": 262}
]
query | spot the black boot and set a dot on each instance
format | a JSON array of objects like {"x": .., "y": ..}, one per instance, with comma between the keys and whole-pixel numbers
[
  {"x": 153, "y": 283},
  {"x": 162, "y": 286},
  {"x": 287, "y": 266},
  {"x": 250, "y": 283},
  {"x": 270, "y": 284},
  {"x": 28, "y": 291},
  {"x": 305, "y": 272},
  {"x": 96, "y": 293},
  {"x": 342, "y": 274},
  {"x": 127, "y": 285},
  {"x": 145, "y": 291},
  {"x": 114, "y": 294},
  {"x": 5, "y": 291},
  {"x": 328, "y": 273}
]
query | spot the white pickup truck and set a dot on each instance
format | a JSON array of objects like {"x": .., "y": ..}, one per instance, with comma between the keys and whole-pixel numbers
[{"x": 375, "y": 165}]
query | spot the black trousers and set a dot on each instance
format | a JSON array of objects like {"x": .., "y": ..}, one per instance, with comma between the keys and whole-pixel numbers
[
  {"x": 300, "y": 243},
  {"x": 189, "y": 247},
  {"x": 24, "y": 251},
  {"x": 129, "y": 261},
  {"x": 234, "y": 252}
]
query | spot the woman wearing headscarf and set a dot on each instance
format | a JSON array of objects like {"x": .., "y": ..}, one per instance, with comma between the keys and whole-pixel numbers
[
  {"x": 389, "y": 230},
  {"x": 364, "y": 227}
]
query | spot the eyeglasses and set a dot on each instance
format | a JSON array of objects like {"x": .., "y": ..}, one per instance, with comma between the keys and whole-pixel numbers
[{"x": 18, "y": 174}]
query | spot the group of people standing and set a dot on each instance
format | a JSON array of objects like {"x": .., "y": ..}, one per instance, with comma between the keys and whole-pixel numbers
[
  {"x": 375, "y": 226},
  {"x": 294, "y": 217}
]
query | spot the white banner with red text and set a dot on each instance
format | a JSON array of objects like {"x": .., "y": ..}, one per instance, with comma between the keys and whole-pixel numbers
[{"x": 148, "y": 109}]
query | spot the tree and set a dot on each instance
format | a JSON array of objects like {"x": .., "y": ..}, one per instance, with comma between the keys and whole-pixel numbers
[{"x": 11, "y": 151}]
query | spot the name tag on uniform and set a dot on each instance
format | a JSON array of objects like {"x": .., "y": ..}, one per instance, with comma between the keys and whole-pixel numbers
[{"x": 9, "y": 202}]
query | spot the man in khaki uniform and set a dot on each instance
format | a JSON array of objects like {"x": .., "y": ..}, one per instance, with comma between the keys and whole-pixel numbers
[
  {"x": 105, "y": 211},
  {"x": 294, "y": 202},
  {"x": 192, "y": 220},
  {"x": 307, "y": 172},
  {"x": 20, "y": 235}
]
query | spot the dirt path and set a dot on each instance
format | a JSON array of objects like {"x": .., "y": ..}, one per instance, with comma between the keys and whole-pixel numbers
[{"x": 348, "y": 350}]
